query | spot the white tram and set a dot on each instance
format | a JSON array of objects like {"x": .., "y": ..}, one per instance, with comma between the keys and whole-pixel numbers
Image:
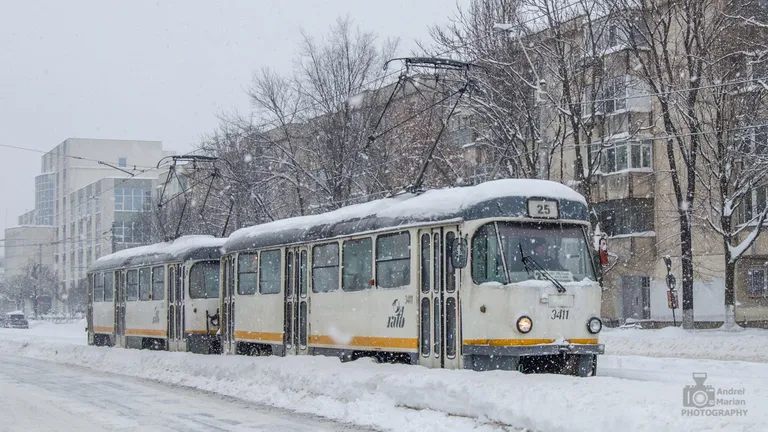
[
  {"x": 494, "y": 276},
  {"x": 162, "y": 296}
]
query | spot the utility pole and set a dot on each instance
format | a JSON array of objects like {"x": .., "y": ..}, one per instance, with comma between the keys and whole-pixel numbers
[{"x": 543, "y": 158}]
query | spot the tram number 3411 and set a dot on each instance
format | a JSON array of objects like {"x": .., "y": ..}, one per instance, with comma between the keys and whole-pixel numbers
[{"x": 559, "y": 314}]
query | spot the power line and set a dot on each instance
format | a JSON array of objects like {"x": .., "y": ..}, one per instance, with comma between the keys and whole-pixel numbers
[{"x": 61, "y": 155}]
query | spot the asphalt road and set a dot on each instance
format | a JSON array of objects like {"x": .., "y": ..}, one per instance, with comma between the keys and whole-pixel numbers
[{"x": 42, "y": 396}]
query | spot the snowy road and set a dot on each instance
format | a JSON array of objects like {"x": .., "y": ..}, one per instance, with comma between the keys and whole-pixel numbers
[{"x": 38, "y": 395}]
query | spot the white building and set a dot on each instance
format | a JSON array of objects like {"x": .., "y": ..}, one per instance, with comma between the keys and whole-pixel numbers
[
  {"x": 27, "y": 245},
  {"x": 85, "y": 186}
]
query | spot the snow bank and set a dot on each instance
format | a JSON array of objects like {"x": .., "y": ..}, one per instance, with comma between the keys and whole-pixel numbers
[
  {"x": 399, "y": 397},
  {"x": 749, "y": 345}
]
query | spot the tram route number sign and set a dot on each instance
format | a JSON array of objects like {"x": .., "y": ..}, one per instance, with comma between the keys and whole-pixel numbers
[
  {"x": 672, "y": 299},
  {"x": 540, "y": 208}
]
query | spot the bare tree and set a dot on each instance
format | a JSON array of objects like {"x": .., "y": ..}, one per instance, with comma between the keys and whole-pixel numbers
[{"x": 37, "y": 284}]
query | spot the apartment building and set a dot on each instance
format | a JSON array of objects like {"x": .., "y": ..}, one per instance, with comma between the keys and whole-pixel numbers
[
  {"x": 87, "y": 198},
  {"x": 623, "y": 146}
]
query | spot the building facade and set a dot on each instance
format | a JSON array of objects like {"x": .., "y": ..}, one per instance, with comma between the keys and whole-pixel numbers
[{"x": 87, "y": 199}]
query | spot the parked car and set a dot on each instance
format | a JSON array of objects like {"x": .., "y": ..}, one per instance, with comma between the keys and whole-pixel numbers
[{"x": 15, "y": 320}]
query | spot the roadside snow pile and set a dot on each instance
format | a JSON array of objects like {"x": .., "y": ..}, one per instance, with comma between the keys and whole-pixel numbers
[
  {"x": 71, "y": 333},
  {"x": 399, "y": 397},
  {"x": 748, "y": 345}
]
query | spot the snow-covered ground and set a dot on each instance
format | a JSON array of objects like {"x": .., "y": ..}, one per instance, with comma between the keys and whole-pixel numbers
[
  {"x": 747, "y": 345},
  {"x": 634, "y": 392}
]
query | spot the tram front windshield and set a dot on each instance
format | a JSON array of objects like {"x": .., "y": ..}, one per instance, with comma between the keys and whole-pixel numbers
[{"x": 559, "y": 249}]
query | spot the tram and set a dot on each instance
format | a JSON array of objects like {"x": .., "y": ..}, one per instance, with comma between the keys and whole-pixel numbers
[
  {"x": 494, "y": 276},
  {"x": 161, "y": 296}
]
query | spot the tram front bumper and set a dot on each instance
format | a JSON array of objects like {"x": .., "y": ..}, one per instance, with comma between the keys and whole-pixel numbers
[{"x": 534, "y": 350}]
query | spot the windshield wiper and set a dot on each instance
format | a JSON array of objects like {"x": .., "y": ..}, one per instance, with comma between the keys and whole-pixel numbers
[{"x": 529, "y": 262}]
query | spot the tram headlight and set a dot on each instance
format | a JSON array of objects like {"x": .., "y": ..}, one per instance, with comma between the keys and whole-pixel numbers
[
  {"x": 524, "y": 324},
  {"x": 594, "y": 325}
]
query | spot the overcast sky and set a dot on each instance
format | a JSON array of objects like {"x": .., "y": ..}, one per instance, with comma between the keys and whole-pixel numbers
[{"x": 154, "y": 70}]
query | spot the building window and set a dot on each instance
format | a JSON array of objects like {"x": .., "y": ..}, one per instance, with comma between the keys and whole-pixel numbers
[
  {"x": 753, "y": 204},
  {"x": 756, "y": 282},
  {"x": 132, "y": 199},
  {"x": 130, "y": 232},
  {"x": 325, "y": 268},
  {"x": 625, "y": 216},
  {"x": 622, "y": 155},
  {"x": 122, "y": 162},
  {"x": 393, "y": 260}
]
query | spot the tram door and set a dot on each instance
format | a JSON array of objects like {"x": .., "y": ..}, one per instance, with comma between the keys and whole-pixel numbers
[
  {"x": 119, "y": 309},
  {"x": 296, "y": 313},
  {"x": 227, "y": 318},
  {"x": 175, "y": 309},
  {"x": 439, "y": 338}
]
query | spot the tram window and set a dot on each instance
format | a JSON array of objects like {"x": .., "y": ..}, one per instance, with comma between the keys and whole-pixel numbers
[
  {"x": 289, "y": 274},
  {"x": 393, "y": 260},
  {"x": 357, "y": 269},
  {"x": 450, "y": 327},
  {"x": 158, "y": 283},
  {"x": 450, "y": 277},
  {"x": 145, "y": 286},
  {"x": 325, "y": 268},
  {"x": 487, "y": 265},
  {"x": 247, "y": 273},
  {"x": 109, "y": 287},
  {"x": 98, "y": 287},
  {"x": 560, "y": 249},
  {"x": 303, "y": 273},
  {"x": 132, "y": 285},
  {"x": 204, "y": 280},
  {"x": 425, "y": 324},
  {"x": 270, "y": 273},
  {"x": 425, "y": 268},
  {"x": 438, "y": 277}
]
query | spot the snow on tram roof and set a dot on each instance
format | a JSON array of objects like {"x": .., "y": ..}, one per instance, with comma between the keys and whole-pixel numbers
[
  {"x": 509, "y": 196},
  {"x": 178, "y": 249}
]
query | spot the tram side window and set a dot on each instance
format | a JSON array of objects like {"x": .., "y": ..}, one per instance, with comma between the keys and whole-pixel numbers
[
  {"x": 247, "y": 273},
  {"x": 325, "y": 268},
  {"x": 145, "y": 286},
  {"x": 204, "y": 280},
  {"x": 109, "y": 286},
  {"x": 393, "y": 260},
  {"x": 356, "y": 265},
  {"x": 487, "y": 265},
  {"x": 98, "y": 287},
  {"x": 132, "y": 285},
  {"x": 270, "y": 272},
  {"x": 158, "y": 283}
]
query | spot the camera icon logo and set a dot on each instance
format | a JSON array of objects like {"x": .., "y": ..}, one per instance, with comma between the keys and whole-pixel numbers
[{"x": 699, "y": 395}]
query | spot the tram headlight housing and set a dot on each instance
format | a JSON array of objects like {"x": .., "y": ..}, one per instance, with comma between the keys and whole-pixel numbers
[
  {"x": 524, "y": 324},
  {"x": 594, "y": 325}
]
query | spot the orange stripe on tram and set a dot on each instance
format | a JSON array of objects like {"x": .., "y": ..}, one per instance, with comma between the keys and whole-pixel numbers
[
  {"x": 103, "y": 329},
  {"x": 145, "y": 332},
  {"x": 366, "y": 341},
  {"x": 259, "y": 336},
  {"x": 202, "y": 332}
]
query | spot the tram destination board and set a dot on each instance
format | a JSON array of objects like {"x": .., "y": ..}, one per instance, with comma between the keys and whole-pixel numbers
[{"x": 541, "y": 208}]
